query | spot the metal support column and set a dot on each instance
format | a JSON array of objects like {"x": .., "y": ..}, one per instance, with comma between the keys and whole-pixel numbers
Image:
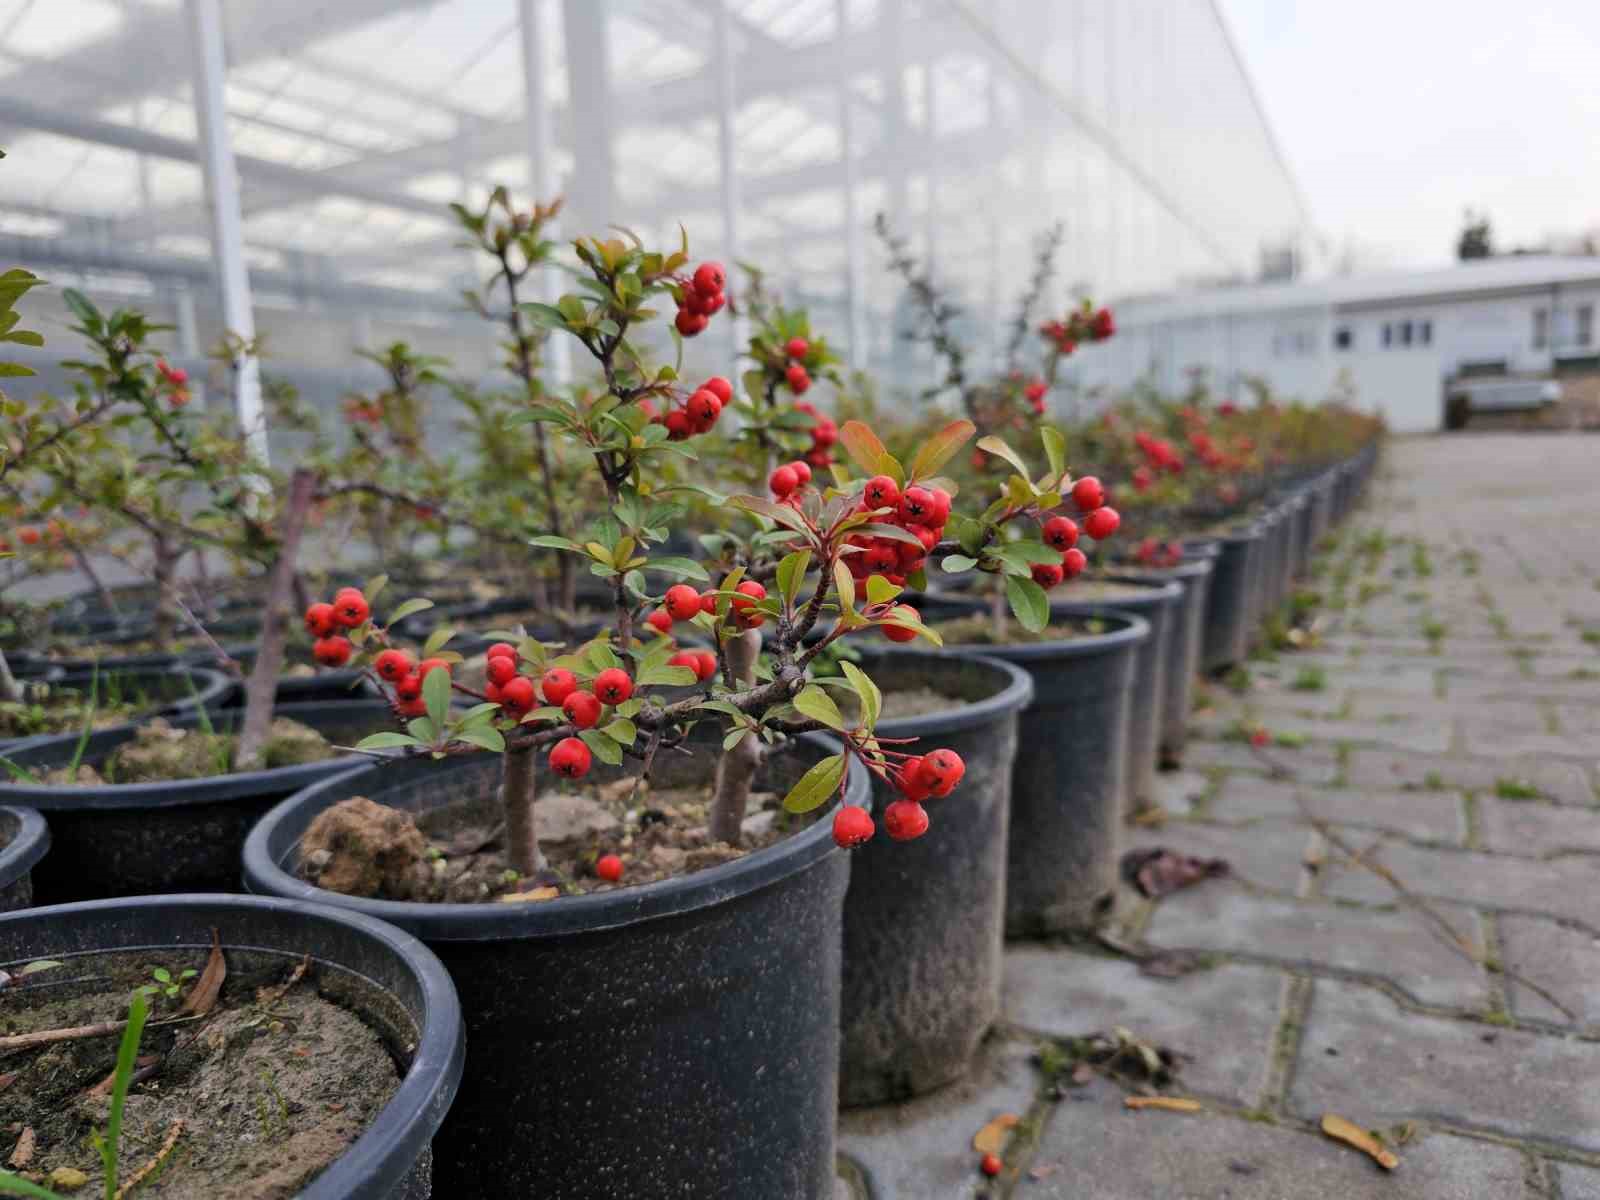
[
  {"x": 590, "y": 200},
  {"x": 855, "y": 251},
  {"x": 727, "y": 147},
  {"x": 227, "y": 227},
  {"x": 542, "y": 183}
]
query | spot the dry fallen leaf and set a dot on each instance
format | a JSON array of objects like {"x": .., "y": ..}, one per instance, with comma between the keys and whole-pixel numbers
[
  {"x": 22, "y": 1155},
  {"x": 1352, "y": 1134},
  {"x": 544, "y": 893},
  {"x": 1165, "y": 1103},
  {"x": 7, "y": 1080},
  {"x": 991, "y": 1139},
  {"x": 206, "y": 989}
]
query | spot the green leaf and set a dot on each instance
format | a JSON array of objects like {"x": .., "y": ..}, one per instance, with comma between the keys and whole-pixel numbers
[
  {"x": 373, "y": 587},
  {"x": 792, "y": 573},
  {"x": 844, "y": 583},
  {"x": 545, "y": 315},
  {"x": 606, "y": 750},
  {"x": 410, "y": 608},
  {"x": 956, "y": 563},
  {"x": 1028, "y": 602},
  {"x": 816, "y": 785},
  {"x": 682, "y": 568},
  {"x": 938, "y": 449},
  {"x": 781, "y": 513},
  {"x": 436, "y": 640},
  {"x": 880, "y": 590},
  {"x": 122, "y": 1078},
  {"x": 868, "y": 453},
  {"x": 388, "y": 740},
  {"x": 893, "y": 533},
  {"x": 436, "y": 695},
  {"x": 16, "y": 1185},
  {"x": 871, "y": 697},
  {"x": 81, "y": 307},
  {"x": 967, "y": 532},
  {"x": 622, "y": 730},
  {"x": 551, "y": 542},
  {"x": 665, "y": 676},
  {"x": 819, "y": 706},
  {"x": 486, "y": 736},
  {"x": 997, "y": 446},
  {"x": 1055, "y": 449}
]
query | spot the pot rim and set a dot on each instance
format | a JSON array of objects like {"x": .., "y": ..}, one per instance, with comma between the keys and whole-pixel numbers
[
  {"x": 1160, "y": 594},
  {"x": 569, "y": 915},
  {"x": 1132, "y": 628},
  {"x": 30, "y": 844},
  {"x": 377, "y": 1161}
]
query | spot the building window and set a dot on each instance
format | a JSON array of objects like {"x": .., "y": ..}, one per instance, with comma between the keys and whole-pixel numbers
[
  {"x": 1343, "y": 338},
  {"x": 1585, "y": 324},
  {"x": 1425, "y": 332},
  {"x": 1388, "y": 335},
  {"x": 1405, "y": 333},
  {"x": 1541, "y": 328}
]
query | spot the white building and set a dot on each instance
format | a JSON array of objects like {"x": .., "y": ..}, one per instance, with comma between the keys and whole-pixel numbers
[{"x": 1397, "y": 339}]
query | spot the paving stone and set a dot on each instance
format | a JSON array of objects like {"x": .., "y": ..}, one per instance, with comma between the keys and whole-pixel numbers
[
  {"x": 1398, "y": 945},
  {"x": 1563, "y": 959},
  {"x": 1268, "y": 856},
  {"x": 1095, "y": 1149},
  {"x": 1178, "y": 791},
  {"x": 1532, "y": 828},
  {"x": 1311, "y": 764},
  {"x": 923, "y": 1148},
  {"x": 1224, "y": 1018},
  {"x": 1561, "y": 887},
  {"x": 1577, "y": 1183},
  {"x": 1425, "y": 816},
  {"x": 1392, "y": 1066},
  {"x": 1567, "y": 783}
]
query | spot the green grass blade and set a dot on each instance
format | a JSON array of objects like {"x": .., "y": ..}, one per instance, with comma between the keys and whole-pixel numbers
[
  {"x": 15, "y": 1185},
  {"x": 127, "y": 1054},
  {"x": 88, "y": 720}
]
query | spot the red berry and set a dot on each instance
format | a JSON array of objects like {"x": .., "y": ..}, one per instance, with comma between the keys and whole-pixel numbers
[
  {"x": 414, "y": 707},
  {"x": 517, "y": 695},
  {"x": 710, "y": 278},
  {"x": 696, "y": 301},
  {"x": 1088, "y": 494},
  {"x": 852, "y": 825},
  {"x": 705, "y": 664},
  {"x": 916, "y": 505},
  {"x": 570, "y": 758},
  {"x": 799, "y": 379},
  {"x": 686, "y": 658},
  {"x": 661, "y": 620},
  {"x": 708, "y": 602},
  {"x": 881, "y": 492},
  {"x": 1073, "y": 562},
  {"x": 1047, "y": 575},
  {"x": 332, "y": 651},
  {"x": 824, "y": 433},
  {"x": 941, "y": 507},
  {"x": 409, "y": 687},
  {"x": 613, "y": 686},
  {"x": 492, "y": 693},
  {"x": 1101, "y": 523},
  {"x": 802, "y": 471},
  {"x": 713, "y": 304},
  {"x": 689, "y": 324},
  {"x": 679, "y": 426},
  {"x": 718, "y": 387},
  {"x": 704, "y": 408},
  {"x": 941, "y": 770},
  {"x": 749, "y": 591},
  {"x": 557, "y": 684},
  {"x": 501, "y": 669},
  {"x": 393, "y": 665},
  {"x": 991, "y": 1165},
  {"x": 1061, "y": 533},
  {"x": 783, "y": 481},
  {"x": 608, "y": 866},
  {"x": 350, "y": 608},
  {"x": 901, "y": 633},
  {"x": 905, "y": 819},
  {"x": 319, "y": 617},
  {"x": 1260, "y": 738},
  {"x": 502, "y": 650},
  {"x": 582, "y": 709},
  {"x": 797, "y": 347},
  {"x": 682, "y": 602},
  {"x": 429, "y": 664},
  {"x": 29, "y": 535}
]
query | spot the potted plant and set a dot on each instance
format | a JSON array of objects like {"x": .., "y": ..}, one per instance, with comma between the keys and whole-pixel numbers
[{"x": 269, "y": 1047}]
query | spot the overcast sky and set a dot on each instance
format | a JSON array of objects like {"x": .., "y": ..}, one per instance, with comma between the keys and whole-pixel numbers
[{"x": 1396, "y": 115}]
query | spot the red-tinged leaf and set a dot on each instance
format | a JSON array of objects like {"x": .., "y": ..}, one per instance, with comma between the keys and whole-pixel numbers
[{"x": 939, "y": 449}]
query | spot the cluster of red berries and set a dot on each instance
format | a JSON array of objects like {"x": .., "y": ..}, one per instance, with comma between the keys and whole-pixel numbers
[
  {"x": 1152, "y": 553},
  {"x": 1080, "y": 326},
  {"x": 29, "y": 535},
  {"x": 698, "y": 413},
  {"x": 1035, "y": 393},
  {"x": 1159, "y": 454},
  {"x": 177, "y": 380},
  {"x": 932, "y": 775},
  {"x": 359, "y": 411},
  {"x": 397, "y": 668},
  {"x": 824, "y": 436},
  {"x": 795, "y": 374},
  {"x": 1061, "y": 533},
  {"x": 920, "y": 511},
  {"x": 323, "y": 622},
  {"x": 789, "y": 480},
  {"x": 702, "y": 297},
  {"x": 683, "y": 603}
]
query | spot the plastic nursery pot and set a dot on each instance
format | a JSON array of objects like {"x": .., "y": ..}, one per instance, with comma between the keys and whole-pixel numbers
[
  {"x": 678, "y": 1038},
  {"x": 172, "y": 691},
  {"x": 24, "y": 839},
  {"x": 1184, "y": 636},
  {"x": 182, "y": 835},
  {"x": 385, "y": 976},
  {"x": 1160, "y": 603},
  {"x": 924, "y": 921},
  {"x": 1229, "y": 610},
  {"x": 1069, "y": 779}
]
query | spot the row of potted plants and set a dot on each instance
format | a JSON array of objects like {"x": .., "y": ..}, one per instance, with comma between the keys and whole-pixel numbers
[{"x": 644, "y": 1015}]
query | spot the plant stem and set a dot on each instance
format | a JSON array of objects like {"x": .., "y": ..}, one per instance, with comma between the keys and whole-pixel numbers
[
  {"x": 518, "y": 791},
  {"x": 164, "y": 570},
  {"x": 260, "y": 690},
  {"x": 736, "y": 770}
]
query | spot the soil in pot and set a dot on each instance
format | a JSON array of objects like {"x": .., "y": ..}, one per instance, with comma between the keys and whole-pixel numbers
[
  {"x": 249, "y": 1102},
  {"x": 160, "y": 752},
  {"x": 979, "y": 630},
  {"x": 109, "y": 698}
]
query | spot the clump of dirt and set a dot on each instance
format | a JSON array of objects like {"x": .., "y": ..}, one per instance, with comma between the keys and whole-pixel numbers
[
  {"x": 160, "y": 752},
  {"x": 658, "y": 833},
  {"x": 270, "y": 1087}
]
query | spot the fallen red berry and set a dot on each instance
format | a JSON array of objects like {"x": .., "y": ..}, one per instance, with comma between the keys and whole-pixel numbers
[
  {"x": 557, "y": 684},
  {"x": 332, "y": 651},
  {"x": 570, "y": 758},
  {"x": 612, "y": 686},
  {"x": 1101, "y": 523},
  {"x": 607, "y": 866},
  {"x": 905, "y": 819},
  {"x": 991, "y": 1165},
  {"x": 582, "y": 709},
  {"x": 852, "y": 825},
  {"x": 1088, "y": 494}
]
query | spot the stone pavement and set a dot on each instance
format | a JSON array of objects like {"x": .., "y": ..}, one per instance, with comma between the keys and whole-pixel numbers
[{"x": 1410, "y": 935}]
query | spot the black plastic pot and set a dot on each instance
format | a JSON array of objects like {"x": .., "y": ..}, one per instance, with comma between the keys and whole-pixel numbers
[
  {"x": 924, "y": 921},
  {"x": 1230, "y": 611},
  {"x": 1160, "y": 604},
  {"x": 1187, "y": 627},
  {"x": 26, "y": 839},
  {"x": 171, "y": 692},
  {"x": 139, "y": 838},
  {"x": 678, "y": 1038},
  {"x": 386, "y": 976}
]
